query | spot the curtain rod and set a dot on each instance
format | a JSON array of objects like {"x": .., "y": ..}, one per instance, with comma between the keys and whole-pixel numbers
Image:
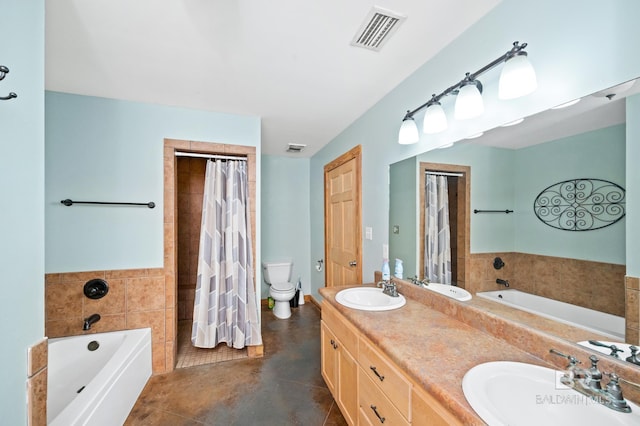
[
  {"x": 211, "y": 156},
  {"x": 428, "y": 172}
]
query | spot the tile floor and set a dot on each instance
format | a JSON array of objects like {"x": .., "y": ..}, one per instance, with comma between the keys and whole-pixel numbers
[
  {"x": 189, "y": 355},
  {"x": 283, "y": 388}
]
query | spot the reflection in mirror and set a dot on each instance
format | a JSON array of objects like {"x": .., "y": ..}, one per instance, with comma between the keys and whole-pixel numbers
[{"x": 507, "y": 168}]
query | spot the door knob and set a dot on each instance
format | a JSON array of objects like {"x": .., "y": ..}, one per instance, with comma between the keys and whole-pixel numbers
[{"x": 353, "y": 263}]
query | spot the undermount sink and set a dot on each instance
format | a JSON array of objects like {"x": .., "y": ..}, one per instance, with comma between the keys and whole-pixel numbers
[
  {"x": 510, "y": 393},
  {"x": 369, "y": 299},
  {"x": 449, "y": 290}
]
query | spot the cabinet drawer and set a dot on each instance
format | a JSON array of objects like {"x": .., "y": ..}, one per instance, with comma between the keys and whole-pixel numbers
[
  {"x": 375, "y": 407},
  {"x": 343, "y": 330},
  {"x": 390, "y": 380}
]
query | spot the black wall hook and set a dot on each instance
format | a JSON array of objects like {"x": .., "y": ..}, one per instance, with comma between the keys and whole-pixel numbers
[{"x": 3, "y": 72}]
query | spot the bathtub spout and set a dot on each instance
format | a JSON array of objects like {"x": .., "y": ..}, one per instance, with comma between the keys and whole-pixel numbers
[
  {"x": 503, "y": 282},
  {"x": 90, "y": 320}
]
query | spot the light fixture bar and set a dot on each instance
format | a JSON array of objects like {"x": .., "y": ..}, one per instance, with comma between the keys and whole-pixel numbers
[{"x": 515, "y": 50}]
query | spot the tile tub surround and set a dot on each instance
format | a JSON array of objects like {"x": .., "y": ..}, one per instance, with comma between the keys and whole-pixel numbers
[
  {"x": 594, "y": 285},
  {"x": 632, "y": 309},
  {"x": 455, "y": 336},
  {"x": 136, "y": 299},
  {"x": 37, "y": 361}
]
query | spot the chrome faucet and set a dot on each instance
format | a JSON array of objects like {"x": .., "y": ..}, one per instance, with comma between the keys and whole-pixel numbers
[
  {"x": 90, "y": 320},
  {"x": 389, "y": 288},
  {"x": 588, "y": 383},
  {"x": 419, "y": 283},
  {"x": 614, "y": 349},
  {"x": 634, "y": 357}
]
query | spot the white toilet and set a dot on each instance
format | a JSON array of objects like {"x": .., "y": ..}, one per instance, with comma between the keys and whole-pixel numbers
[{"x": 277, "y": 276}]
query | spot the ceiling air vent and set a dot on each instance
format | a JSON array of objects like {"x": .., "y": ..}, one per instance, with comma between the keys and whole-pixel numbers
[
  {"x": 295, "y": 147},
  {"x": 376, "y": 29}
]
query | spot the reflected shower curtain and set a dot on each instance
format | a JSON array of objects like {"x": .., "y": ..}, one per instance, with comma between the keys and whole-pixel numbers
[
  {"x": 225, "y": 308},
  {"x": 437, "y": 253}
]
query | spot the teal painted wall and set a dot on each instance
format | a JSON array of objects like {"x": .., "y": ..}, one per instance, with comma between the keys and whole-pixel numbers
[
  {"x": 22, "y": 194},
  {"x": 112, "y": 150},
  {"x": 598, "y": 154},
  {"x": 598, "y": 60},
  {"x": 285, "y": 216},
  {"x": 633, "y": 186},
  {"x": 403, "y": 211}
]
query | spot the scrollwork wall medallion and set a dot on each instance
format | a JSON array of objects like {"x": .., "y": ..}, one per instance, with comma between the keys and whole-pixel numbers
[{"x": 580, "y": 204}]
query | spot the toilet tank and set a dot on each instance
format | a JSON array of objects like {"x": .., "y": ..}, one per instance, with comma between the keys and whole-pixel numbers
[{"x": 277, "y": 272}]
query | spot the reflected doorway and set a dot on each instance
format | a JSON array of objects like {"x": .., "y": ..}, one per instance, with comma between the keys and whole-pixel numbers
[{"x": 458, "y": 180}]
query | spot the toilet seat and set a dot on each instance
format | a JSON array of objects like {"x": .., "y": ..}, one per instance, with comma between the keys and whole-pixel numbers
[{"x": 282, "y": 287}]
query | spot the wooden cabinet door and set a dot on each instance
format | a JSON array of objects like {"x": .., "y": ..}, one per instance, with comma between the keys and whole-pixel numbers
[
  {"x": 329, "y": 360},
  {"x": 347, "y": 385}
]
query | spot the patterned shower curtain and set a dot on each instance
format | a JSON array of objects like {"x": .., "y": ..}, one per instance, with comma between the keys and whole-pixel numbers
[
  {"x": 225, "y": 308},
  {"x": 437, "y": 253}
]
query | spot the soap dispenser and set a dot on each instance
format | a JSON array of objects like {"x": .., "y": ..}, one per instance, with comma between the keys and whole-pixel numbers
[
  {"x": 386, "y": 272},
  {"x": 398, "y": 271}
]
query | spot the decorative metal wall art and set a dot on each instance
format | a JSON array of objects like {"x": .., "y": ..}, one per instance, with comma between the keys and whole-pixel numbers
[{"x": 580, "y": 204}]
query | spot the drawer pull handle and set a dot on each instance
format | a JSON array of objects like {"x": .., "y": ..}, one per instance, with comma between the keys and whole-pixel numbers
[
  {"x": 375, "y": 410},
  {"x": 376, "y": 373},
  {"x": 333, "y": 343}
]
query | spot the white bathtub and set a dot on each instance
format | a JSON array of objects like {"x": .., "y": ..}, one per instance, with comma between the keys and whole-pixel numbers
[
  {"x": 97, "y": 387},
  {"x": 602, "y": 323}
]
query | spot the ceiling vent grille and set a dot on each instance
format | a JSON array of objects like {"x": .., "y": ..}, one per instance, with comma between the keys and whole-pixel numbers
[
  {"x": 295, "y": 147},
  {"x": 376, "y": 29}
]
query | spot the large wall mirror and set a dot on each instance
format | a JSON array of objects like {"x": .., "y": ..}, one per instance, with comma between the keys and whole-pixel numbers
[{"x": 505, "y": 169}]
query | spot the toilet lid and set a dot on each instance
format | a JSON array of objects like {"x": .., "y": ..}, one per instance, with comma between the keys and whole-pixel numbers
[{"x": 282, "y": 286}]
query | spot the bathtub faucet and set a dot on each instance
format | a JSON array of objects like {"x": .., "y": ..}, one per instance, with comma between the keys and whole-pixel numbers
[
  {"x": 503, "y": 282},
  {"x": 90, "y": 320}
]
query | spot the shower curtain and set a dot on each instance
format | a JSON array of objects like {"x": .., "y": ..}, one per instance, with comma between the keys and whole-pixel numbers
[
  {"x": 437, "y": 253},
  {"x": 225, "y": 308}
]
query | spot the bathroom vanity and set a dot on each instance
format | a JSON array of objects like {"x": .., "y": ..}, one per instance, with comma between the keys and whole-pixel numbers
[
  {"x": 407, "y": 365},
  {"x": 366, "y": 384}
]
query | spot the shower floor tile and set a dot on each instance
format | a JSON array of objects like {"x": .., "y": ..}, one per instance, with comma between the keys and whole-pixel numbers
[
  {"x": 189, "y": 355},
  {"x": 283, "y": 388}
]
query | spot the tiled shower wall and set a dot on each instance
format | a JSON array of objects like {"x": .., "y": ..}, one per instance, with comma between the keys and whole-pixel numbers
[
  {"x": 594, "y": 285},
  {"x": 190, "y": 188},
  {"x": 136, "y": 299}
]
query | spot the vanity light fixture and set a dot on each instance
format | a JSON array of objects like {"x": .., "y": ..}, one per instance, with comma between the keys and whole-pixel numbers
[
  {"x": 408, "y": 131},
  {"x": 518, "y": 78},
  {"x": 469, "y": 102}
]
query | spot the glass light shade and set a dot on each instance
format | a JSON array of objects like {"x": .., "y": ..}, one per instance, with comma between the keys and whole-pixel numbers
[
  {"x": 469, "y": 103},
  {"x": 408, "y": 132},
  {"x": 518, "y": 78},
  {"x": 435, "y": 120}
]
